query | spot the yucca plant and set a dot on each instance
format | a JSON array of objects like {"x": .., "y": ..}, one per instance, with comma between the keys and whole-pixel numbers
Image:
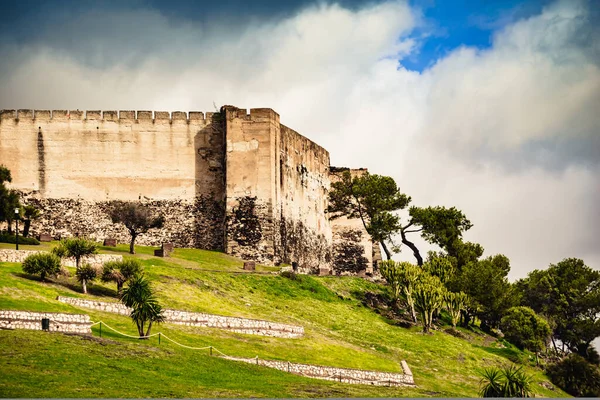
[
  {"x": 45, "y": 264},
  {"x": 429, "y": 296},
  {"x": 454, "y": 304},
  {"x": 402, "y": 277},
  {"x": 509, "y": 381},
  {"x": 85, "y": 274},
  {"x": 138, "y": 295},
  {"x": 76, "y": 248}
]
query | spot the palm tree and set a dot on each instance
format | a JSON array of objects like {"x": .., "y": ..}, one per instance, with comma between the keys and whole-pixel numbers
[
  {"x": 77, "y": 248},
  {"x": 144, "y": 306},
  {"x": 121, "y": 271}
]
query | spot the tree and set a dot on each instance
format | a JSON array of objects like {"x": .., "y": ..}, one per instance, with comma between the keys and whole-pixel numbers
[
  {"x": 568, "y": 295},
  {"x": 86, "y": 273},
  {"x": 373, "y": 199},
  {"x": 508, "y": 381},
  {"x": 45, "y": 264},
  {"x": 575, "y": 376},
  {"x": 76, "y": 248},
  {"x": 439, "y": 265},
  {"x": 30, "y": 213},
  {"x": 524, "y": 328},
  {"x": 121, "y": 271},
  {"x": 138, "y": 295},
  {"x": 486, "y": 284},
  {"x": 402, "y": 278},
  {"x": 429, "y": 295},
  {"x": 438, "y": 225},
  {"x": 9, "y": 199},
  {"x": 455, "y": 303},
  {"x": 136, "y": 217}
]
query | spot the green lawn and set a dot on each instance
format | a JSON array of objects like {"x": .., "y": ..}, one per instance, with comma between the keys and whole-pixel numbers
[{"x": 340, "y": 331}]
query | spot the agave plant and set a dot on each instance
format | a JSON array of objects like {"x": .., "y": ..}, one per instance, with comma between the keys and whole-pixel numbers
[
  {"x": 509, "y": 381},
  {"x": 138, "y": 295}
]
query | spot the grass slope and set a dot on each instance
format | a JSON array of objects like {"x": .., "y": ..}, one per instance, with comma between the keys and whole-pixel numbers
[{"x": 340, "y": 331}]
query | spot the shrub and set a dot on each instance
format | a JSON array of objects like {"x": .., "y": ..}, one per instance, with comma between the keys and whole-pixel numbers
[
  {"x": 290, "y": 275},
  {"x": 44, "y": 264},
  {"x": 576, "y": 376},
  {"x": 86, "y": 273},
  {"x": 508, "y": 381},
  {"x": 76, "y": 248},
  {"x": 6, "y": 238},
  {"x": 525, "y": 329}
]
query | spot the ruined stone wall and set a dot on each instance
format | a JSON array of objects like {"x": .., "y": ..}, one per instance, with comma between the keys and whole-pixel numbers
[
  {"x": 305, "y": 232},
  {"x": 344, "y": 375},
  {"x": 233, "y": 324},
  {"x": 71, "y": 163},
  {"x": 95, "y": 260},
  {"x": 59, "y": 322},
  {"x": 353, "y": 248}
]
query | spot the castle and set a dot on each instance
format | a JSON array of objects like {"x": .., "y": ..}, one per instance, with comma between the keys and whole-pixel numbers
[{"x": 232, "y": 181}]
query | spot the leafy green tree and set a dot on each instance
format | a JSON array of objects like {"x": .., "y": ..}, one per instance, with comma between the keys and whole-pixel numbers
[
  {"x": 525, "y": 329},
  {"x": 402, "y": 278},
  {"x": 508, "y": 381},
  {"x": 136, "y": 217},
  {"x": 373, "y": 199},
  {"x": 9, "y": 199},
  {"x": 486, "y": 284},
  {"x": 44, "y": 264},
  {"x": 85, "y": 274},
  {"x": 121, "y": 271},
  {"x": 429, "y": 297},
  {"x": 138, "y": 295},
  {"x": 30, "y": 213},
  {"x": 568, "y": 295},
  {"x": 439, "y": 265},
  {"x": 576, "y": 376},
  {"x": 454, "y": 304}
]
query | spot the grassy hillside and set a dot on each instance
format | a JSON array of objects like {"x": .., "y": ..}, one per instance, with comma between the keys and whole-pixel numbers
[{"x": 340, "y": 331}]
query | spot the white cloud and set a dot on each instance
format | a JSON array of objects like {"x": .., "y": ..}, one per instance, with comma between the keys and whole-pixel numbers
[{"x": 510, "y": 134}]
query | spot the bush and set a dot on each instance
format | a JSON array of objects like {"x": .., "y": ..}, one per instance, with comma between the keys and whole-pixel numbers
[
  {"x": 44, "y": 264},
  {"x": 290, "y": 275},
  {"x": 6, "y": 238},
  {"x": 525, "y": 329},
  {"x": 121, "y": 271},
  {"x": 576, "y": 376}
]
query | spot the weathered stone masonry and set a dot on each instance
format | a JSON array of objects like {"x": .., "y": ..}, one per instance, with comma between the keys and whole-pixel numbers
[
  {"x": 59, "y": 322},
  {"x": 234, "y": 324},
  {"x": 236, "y": 181},
  {"x": 96, "y": 260}
]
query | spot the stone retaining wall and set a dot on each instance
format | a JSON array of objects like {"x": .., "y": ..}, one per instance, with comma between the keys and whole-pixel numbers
[
  {"x": 344, "y": 375},
  {"x": 95, "y": 260},
  {"x": 234, "y": 324},
  {"x": 59, "y": 322}
]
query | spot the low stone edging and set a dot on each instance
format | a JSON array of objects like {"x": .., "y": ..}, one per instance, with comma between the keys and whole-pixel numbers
[
  {"x": 95, "y": 260},
  {"x": 59, "y": 322},
  {"x": 233, "y": 324},
  {"x": 344, "y": 375}
]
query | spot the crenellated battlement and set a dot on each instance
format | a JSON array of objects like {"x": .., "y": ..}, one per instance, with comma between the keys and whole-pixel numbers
[
  {"x": 126, "y": 116},
  {"x": 254, "y": 114}
]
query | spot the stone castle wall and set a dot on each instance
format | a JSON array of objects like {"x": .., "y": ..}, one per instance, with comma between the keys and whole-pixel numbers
[
  {"x": 235, "y": 180},
  {"x": 59, "y": 322},
  {"x": 234, "y": 324}
]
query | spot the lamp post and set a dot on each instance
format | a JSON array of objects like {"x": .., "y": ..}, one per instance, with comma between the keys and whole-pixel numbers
[{"x": 17, "y": 230}]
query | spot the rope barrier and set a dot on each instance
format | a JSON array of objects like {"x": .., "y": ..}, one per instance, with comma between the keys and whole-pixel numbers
[{"x": 338, "y": 376}]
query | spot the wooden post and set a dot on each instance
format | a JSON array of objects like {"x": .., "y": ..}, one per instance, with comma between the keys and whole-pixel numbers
[
  {"x": 158, "y": 337},
  {"x": 100, "y": 328},
  {"x": 211, "y": 351}
]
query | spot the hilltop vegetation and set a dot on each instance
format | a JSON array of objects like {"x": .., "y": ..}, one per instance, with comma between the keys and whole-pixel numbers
[{"x": 345, "y": 322}]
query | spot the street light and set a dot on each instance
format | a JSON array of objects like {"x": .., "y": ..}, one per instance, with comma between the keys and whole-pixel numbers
[{"x": 17, "y": 230}]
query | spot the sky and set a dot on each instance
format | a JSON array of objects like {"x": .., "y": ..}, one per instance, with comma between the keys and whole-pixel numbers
[{"x": 489, "y": 106}]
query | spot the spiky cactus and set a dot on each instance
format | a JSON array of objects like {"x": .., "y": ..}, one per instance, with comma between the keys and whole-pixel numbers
[
  {"x": 429, "y": 297},
  {"x": 454, "y": 303},
  {"x": 402, "y": 277}
]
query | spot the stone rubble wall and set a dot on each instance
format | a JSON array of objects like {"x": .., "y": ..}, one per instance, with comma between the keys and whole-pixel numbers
[
  {"x": 17, "y": 256},
  {"x": 234, "y": 324},
  {"x": 59, "y": 322},
  {"x": 344, "y": 375}
]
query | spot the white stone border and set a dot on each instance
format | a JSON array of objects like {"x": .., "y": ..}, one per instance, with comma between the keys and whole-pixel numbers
[{"x": 59, "y": 322}]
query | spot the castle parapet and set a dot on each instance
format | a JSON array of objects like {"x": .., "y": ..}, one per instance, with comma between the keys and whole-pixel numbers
[{"x": 125, "y": 116}]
